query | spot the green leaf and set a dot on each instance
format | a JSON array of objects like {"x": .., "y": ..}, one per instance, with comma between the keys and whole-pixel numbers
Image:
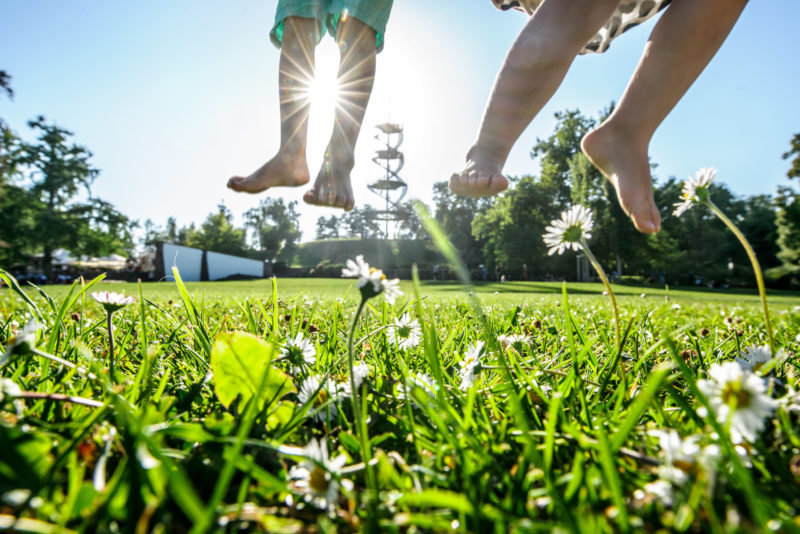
[{"x": 238, "y": 363}]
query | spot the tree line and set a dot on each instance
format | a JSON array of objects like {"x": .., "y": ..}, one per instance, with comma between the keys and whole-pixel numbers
[{"x": 46, "y": 203}]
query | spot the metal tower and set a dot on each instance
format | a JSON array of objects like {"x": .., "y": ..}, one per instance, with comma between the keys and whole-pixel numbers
[{"x": 391, "y": 188}]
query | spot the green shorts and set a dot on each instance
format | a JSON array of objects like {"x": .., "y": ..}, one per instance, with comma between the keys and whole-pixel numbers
[{"x": 373, "y": 13}]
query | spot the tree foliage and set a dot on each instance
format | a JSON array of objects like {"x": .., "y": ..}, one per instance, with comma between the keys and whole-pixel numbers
[{"x": 55, "y": 208}]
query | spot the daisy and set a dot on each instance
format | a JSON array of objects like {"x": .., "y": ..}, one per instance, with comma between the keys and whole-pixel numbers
[
  {"x": 661, "y": 490},
  {"x": 372, "y": 282},
  {"x": 738, "y": 395},
  {"x": 405, "y": 333},
  {"x": 317, "y": 477},
  {"x": 9, "y": 388},
  {"x": 299, "y": 350},
  {"x": 754, "y": 357},
  {"x": 360, "y": 372},
  {"x": 418, "y": 380},
  {"x": 472, "y": 359},
  {"x": 565, "y": 233},
  {"x": 312, "y": 390},
  {"x": 791, "y": 401},
  {"x": 678, "y": 455},
  {"x": 695, "y": 190},
  {"x": 22, "y": 341},
  {"x": 112, "y": 301}
]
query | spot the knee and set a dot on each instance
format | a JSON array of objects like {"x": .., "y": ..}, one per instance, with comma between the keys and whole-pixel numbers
[
  {"x": 533, "y": 52},
  {"x": 354, "y": 34}
]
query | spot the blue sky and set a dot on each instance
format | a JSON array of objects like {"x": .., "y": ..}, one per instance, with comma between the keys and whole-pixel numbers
[{"x": 174, "y": 97}]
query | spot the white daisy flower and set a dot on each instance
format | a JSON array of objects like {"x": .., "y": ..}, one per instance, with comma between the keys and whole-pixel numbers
[
  {"x": 515, "y": 341},
  {"x": 10, "y": 389},
  {"x": 112, "y": 301},
  {"x": 566, "y": 232},
  {"x": 791, "y": 401},
  {"x": 360, "y": 372},
  {"x": 23, "y": 341},
  {"x": 357, "y": 269},
  {"x": 678, "y": 456},
  {"x": 418, "y": 380},
  {"x": 695, "y": 190},
  {"x": 405, "y": 333},
  {"x": 312, "y": 390},
  {"x": 754, "y": 357},
  {"x": 299, "y": 350},
  {"x": 317, "y": 477},
  {"x": 661, "y": 490},
  {"x": 371, "y": 282},
  {"x": 472, "y": 359},
  {"x": 730, "y": 387}
]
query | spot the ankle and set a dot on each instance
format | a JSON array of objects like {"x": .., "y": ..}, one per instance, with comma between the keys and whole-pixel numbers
[
  {"x": 619, "y": 131},
  {"x": 484, "y": 151}
]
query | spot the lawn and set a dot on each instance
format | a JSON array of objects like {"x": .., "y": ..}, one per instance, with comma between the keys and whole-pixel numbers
[{"x": 510, "y": 407}]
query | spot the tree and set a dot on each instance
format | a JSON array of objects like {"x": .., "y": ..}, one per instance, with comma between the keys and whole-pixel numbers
[
  {"x": 788, "y": 219},
  {"x": 455, "y": 215},
  {"x": 58, "y": 171},
  {"x": 327, "y": 227},
  {"x": 275, "y": 227},
  {"x": 8, "y": 141},
  {"x": 218, "y": 234}
]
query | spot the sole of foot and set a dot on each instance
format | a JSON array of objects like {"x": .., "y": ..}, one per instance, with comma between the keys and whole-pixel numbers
[
  {"x": 332, "y": 188},
  {"x": 628, "y": 170},
  {"x": 280, "y": 171},
  {"x": 481, "y": 177}
]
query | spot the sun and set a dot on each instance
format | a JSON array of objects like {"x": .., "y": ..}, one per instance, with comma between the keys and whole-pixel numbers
[{"x": 323, "y": 90}]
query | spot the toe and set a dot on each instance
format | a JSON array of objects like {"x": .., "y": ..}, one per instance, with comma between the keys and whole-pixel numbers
[
  {"x": 235, "y": 182},
  {"x": 497, "y": 184},
  {"x": 310, "y": 197}
]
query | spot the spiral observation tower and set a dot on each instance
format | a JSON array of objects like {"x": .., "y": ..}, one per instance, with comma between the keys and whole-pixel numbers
[{"x": 391, "y": 188}]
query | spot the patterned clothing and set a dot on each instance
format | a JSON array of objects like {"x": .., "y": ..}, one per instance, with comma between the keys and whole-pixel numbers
[
  {"x": 326, "y": 13},
  {"x": 628, "y": 14}
]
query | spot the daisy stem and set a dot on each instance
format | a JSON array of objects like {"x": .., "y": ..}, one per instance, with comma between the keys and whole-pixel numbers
[
  {"x": 756, "y": 268},
  {"x": 359, "y": 420},
  {"x": 602, "y": 275},
  {"x": 110, "y": 348},
  {"x": 604, "y": 278}
]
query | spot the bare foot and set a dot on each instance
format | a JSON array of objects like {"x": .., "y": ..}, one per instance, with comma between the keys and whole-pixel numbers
[
  {"x": 288, "y": 168},
  {"x": 481, "y": 177},
  {"x": 332, "y": 186},
  {"x": 627, "y": 167}
]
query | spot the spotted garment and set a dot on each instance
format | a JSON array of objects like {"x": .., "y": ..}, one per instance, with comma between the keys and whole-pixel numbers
[{"x": 628, "y": 14}]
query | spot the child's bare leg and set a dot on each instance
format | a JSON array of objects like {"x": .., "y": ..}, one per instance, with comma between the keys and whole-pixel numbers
[
  {"x": 532, "y": 71},
  {"x": 683, "y": 41},
  {"x": 356, "y": 76},
  {"x": 296, "y": 70}
]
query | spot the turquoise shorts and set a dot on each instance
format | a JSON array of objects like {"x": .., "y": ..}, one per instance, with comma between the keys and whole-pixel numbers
[{"x": 373, "y": 13}]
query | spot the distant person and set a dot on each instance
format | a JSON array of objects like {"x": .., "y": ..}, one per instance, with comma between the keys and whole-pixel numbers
[
  {"x": 682, "y": 43},
  {"x": 358, "y": 27},
  {"x": 525, "y": 273}
]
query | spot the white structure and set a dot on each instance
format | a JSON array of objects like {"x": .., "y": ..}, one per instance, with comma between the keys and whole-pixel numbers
[
  {"x": 189, "y": 261},
  {"x": 224, "y": 265}
]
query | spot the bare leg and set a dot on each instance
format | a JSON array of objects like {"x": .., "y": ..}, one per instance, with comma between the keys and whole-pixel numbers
[
  {"x": 683, "y": 41},
  {"x": 356, "y": 76},
  {"x": 533, "y": 69},
  {"x": 289, "y": 167}
]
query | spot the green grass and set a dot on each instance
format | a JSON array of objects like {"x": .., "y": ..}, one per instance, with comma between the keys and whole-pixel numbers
[
  {"x": 509, "y": 293},
  {"x": 551, "y": 435}
]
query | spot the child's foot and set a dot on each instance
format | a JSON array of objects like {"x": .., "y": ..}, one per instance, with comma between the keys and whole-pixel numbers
[
  {"x": 481, "y": 177},
  {"x": 332, "y": 186},
  {"x": 627, "y": 167},
  {"x": 287, "y": 168}
]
